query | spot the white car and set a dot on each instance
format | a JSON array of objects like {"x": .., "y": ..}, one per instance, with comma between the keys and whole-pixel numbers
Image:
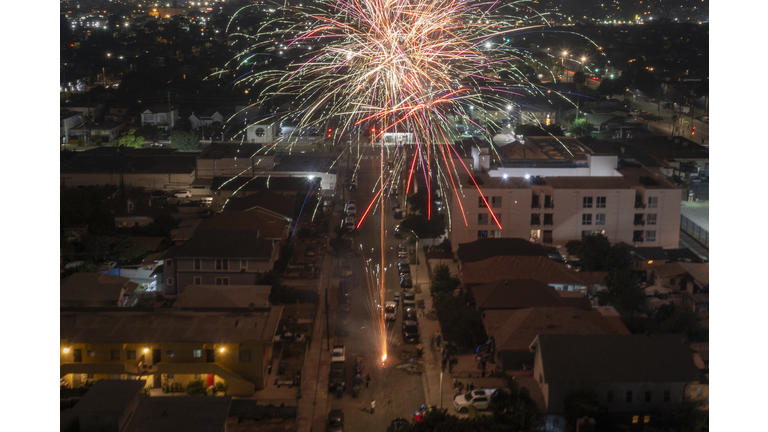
[
  {"x": 390, "y": 311},
  {"x": 338, "y": 353},
  {"x": 480, "y": 399},
  {"x": 183, "y": 194}
]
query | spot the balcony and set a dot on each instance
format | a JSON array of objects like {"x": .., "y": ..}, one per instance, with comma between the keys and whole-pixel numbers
[
  {"x": 637, "y": 239},
  {"x": 639, "y": 202}
]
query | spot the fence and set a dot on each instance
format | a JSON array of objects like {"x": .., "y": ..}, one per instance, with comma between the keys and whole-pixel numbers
[{"x": 698, "y": 233}]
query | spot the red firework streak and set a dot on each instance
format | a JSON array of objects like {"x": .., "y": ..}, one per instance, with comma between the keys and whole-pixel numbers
[{"x": 477, "y": 187}]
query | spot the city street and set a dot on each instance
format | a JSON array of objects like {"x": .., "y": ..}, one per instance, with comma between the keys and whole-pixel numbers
[{"x": 397, "y": 392}]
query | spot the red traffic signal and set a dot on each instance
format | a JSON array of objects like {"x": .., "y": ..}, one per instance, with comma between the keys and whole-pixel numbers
[{"x": 693, "y": 130}]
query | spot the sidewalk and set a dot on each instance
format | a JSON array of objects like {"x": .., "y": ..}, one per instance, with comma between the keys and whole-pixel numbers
[{"x": 697, "y": 212}]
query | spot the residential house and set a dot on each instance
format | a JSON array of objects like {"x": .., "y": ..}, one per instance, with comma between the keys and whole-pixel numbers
[
  {"x": 537, "y": 268},
  {"x": 106, "y": 132},
  {"x": 162, "y": 117},
  {"x": 678, "y": 156},
  {"x": 262, "y": 133},
  {"x": 96, "y": 290},
  {"x": 484, "y": 248},
  {"x": 513, "y": 330},
  {"x": 233, "y": 346},
  {"x": 134, "y": 208},
  {"x": 682, "y": 276},
  {"x": 518, "y": 294},
  {"x": 69, "y": 120},
  {"x": 267, "y": 200},
  {"x": 232, "y": 248},
  {"x": 217, "y": 297},
  {"x": 631, "y": 374}
]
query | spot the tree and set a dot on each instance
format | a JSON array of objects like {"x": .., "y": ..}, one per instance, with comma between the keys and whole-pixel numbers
[
  {"x": 677, "y": 319},
  {"x": 149, "y": 132},
  {"x": 442, "y": 281},
  {"x": 581, "y": 127},
  {"x": 581, "y": 403},
  {"x": 184, "y": 140},
  {"x": 624, "y": 292},
  {"x": 129, "y": 139},
  {"x": 184, "y": 124}
]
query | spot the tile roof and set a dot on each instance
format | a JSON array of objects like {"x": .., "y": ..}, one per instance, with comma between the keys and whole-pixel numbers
[
  {"x": 226, "y": 244},
  {"x": 699, "y": 272},
  {"x": 633, "y": 358},
  {"x": 668, "y": 270},
  {"x": 169, "y": 325},
  {"x": 223, "y": 296},
  {"x": 267, "y": 199},
  {"x": 575, "y": 299},
  {"x": 539, "y": 268},
  {"x": 270, "y": 226},
  {"x": 481, "y": 249},
  {"x": 517, "y": 329},
  {"x": 109, "y": 397},
  {"x": 515, "y": 294}
]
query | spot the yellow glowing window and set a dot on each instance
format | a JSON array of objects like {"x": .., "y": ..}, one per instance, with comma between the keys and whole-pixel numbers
[
  {"x": 646, "y": 419},
  {"x": 635, "y": 419}
]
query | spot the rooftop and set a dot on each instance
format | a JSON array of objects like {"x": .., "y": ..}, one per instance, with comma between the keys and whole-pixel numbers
[
  {"x": 558, "y": 148},
  {"x": 224, "y": 296},
  {"x": 632, "y": 358},
  {"x": 169, "y": 325},
  {"x": 108, "y": 396},
  {"x": 228, "y": 151},
  {"x": 94, "y": 289},
  {"x": 539, "y": 268},
  {"x": 265, "y": 182},
  {"x": 185, "y": 413},
  {"x": 268, "y": 200},
  {"x": 479, "y": 250},
  {"x": 515, "y": 294},
  {"x": 129, "y": 161}
]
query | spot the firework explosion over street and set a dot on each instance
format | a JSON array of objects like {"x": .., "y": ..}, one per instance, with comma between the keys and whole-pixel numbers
[{"x": 372, "y": 67}]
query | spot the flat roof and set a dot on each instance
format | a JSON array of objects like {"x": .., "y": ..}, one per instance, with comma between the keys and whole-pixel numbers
[
  {"x": 130, "y": 161},
  {"x": 169, "y": 325},
  {"x": 224, "y": 296},
  {"x": 108, "y": 396},
  {"x": 90, "y": 288},
  {"x": 184, "y": 413},
  {"x": 229, "y": 150}
]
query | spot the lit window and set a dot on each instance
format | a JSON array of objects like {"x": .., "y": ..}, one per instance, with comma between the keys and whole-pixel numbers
[
  {"x": 169, "y": 353},
  {"x": 197, "y": 353},
  {"x": 646, "y": 419},
  {"x": 635, "y": 419}
]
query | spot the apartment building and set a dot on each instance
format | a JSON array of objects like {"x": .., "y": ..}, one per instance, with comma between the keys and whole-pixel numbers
[
  {"x": 561, "y": 191},
  {"x": 232, "y": 346}
]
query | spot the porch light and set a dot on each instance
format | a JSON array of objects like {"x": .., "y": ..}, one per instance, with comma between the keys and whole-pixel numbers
[
  {"x": 221, "y": 350},
  {"x": 146, "y": 350},
  {"x": 66, "y": 350}
]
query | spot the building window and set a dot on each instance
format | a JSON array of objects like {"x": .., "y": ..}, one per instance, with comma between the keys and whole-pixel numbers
[
  {"x": 481, "y": 202},
  {"x": 259, "y": 132},
  {"x": 197, "y": 264},
  {"x": 482, "y": 234},
  {"x": 650, "y": 236},
  {"x": 629, "y": 396},
  {"x": 243, "y": 264},
  {"x": 586, "y": 219},
  {"x": 547, "y": 238},
  {"x": 245, "y": 356},
  {"x": 171, "y": 376},
  {"x": 548, "y": 219},
  {"x": 646, "y": 419},
  {"x": 586, "y": 202},
  {"x": 535, "y": 201},
  {"x": 600, "y": 219},
  {"x": 495, "y": 234},
  {"x": 197, "y": 353},
  {"x": 130, "y": 354},
  {"x": 482, "y": 219},
  {"x": 637, "y": 236},
  {"x": 650, "y": 219},
  {"x": 168, "y": 263},
  {"x": 647, "y": 396},
  {"x": 170, "y": 281},
  {"x": 222, "y": 264},
  {"x": 169, "y": 353},
  {"x": 91, "y": 353},
  {"x": 197, "y": 377},
  {"x": 666, "y": 395},
  {"x": 610, "y": 396},
  {"x": 496, "y": 202},
  {"x": 198, "y": 280},
  {"x": 535, "y": 219},
  {"x": 114, "y": 354},
  {"x": 600, "y": 203},
  {"x": 635, "y": 419},
  {"x": 222, "y": 281},
  {"x": 586, "y": 233},
  {"x": 653, "y": 202},
  {"x": 549, "y": 201}
]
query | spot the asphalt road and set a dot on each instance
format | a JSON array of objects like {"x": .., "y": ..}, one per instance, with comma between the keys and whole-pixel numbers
[{"x": 397, "y": 393}]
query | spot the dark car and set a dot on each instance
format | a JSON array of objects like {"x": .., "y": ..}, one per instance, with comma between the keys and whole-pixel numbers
[
  {"x": 310, "y": 251},
  {"x": 409, "y": 314},
  {"x": 398, "y": 214},
  {"x": 335, "y": 421},
  {"x": 405, "y": 281},
  {"x": 397, "y": 424},
  {"x": 398, "y": 233},
  {"x": 410, "y": 331},
  {"x": 403, "y": 268}
]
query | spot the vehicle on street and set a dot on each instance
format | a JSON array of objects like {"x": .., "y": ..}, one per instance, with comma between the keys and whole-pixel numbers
[
  {"x": 405, "y": 281},
  {"x": 409, "y": 298},
  {"x": 402, "y": 252},
  {"x": 390, "y": 311},
  {"x": 310, "y": 251},
  {"x": 409, "y": 314},
  {"x": 397, "y": 233},
  {"x": 403, "y": 268},
  {"x": 337, "y": 355},
  {"x": 398, "y": 214},
  {"x": 337, "y": 377},
  {"x": 397, "y": 424},
  {"x": 335, "y": 421},
  {"x": 397, "y": 298},
  {"x": 410, "y": 331},
  {"x": 350, "y": 223},
  {"x": 351, "y": 208},
  {"x": 183, "y": 194},
  {"x": 206, "y": 201},
  {"x": 480, "y": 399}
]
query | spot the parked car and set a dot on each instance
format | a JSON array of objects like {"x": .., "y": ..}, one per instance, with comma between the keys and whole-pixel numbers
[
  {"x": 350, "y": 223},
  {"x": 351, "y": 208},
  {"x": 409, "y": 299},
  {"x": 338, "y": 353},
  {"x": 409, "y": 314},
  {"x": 390, "y": 311},
  {"x": 403, "y": 268},
  {"x": 398, "y": 233},
  {"x": 480, "y": 399},
  {"x": 402, "y": 252},
  {"x": 405, "y": 281},
  {"x": 410, "y": 331},
  {"x": 310, "y": 251},
  {"x": 183, "y": 194},
  {"x": 335, "y": 421},
  {"x": 397, "y": 424}
]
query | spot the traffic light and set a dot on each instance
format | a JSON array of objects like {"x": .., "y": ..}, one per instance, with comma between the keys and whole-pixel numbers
[
  {"x": 329, "y": 132},
  {"x": 693, "y": 130}
]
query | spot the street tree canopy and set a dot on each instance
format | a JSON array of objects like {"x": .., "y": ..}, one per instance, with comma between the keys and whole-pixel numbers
[
  {"x": 184, "y": 140},
  {"x": 130, "y": 139}
]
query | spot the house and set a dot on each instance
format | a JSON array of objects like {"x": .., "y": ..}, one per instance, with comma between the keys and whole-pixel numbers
[
  {"x": 232, "y": 346},
  {"x": 230, "y": 297},
  {"x": 262, "y": 133},
  {"x": 484, "y": 248},
  {"x": 106, "y": 132},
  {"x": 96, "y": 290},
  {"x": 624, "y": 371},
  {"x": 681, "y": 276},
  {"x": 266, "y": 200},
  {"x": 516, "y": 294},
  {"x": 133, "y": 208},
  {"x": 232, "y": 248},
  {"x": 162, "y": 117},
  {"x": 537, "y": 268},
  {"x": 513, "y": 331},
  {"x": 69, "y": 120}
]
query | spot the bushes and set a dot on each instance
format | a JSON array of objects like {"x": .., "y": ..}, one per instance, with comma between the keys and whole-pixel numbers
[{"x": 460, "y": 321}]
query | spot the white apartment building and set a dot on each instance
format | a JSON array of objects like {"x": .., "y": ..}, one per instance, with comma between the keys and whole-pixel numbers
[{"x": 554, "y": 199}]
